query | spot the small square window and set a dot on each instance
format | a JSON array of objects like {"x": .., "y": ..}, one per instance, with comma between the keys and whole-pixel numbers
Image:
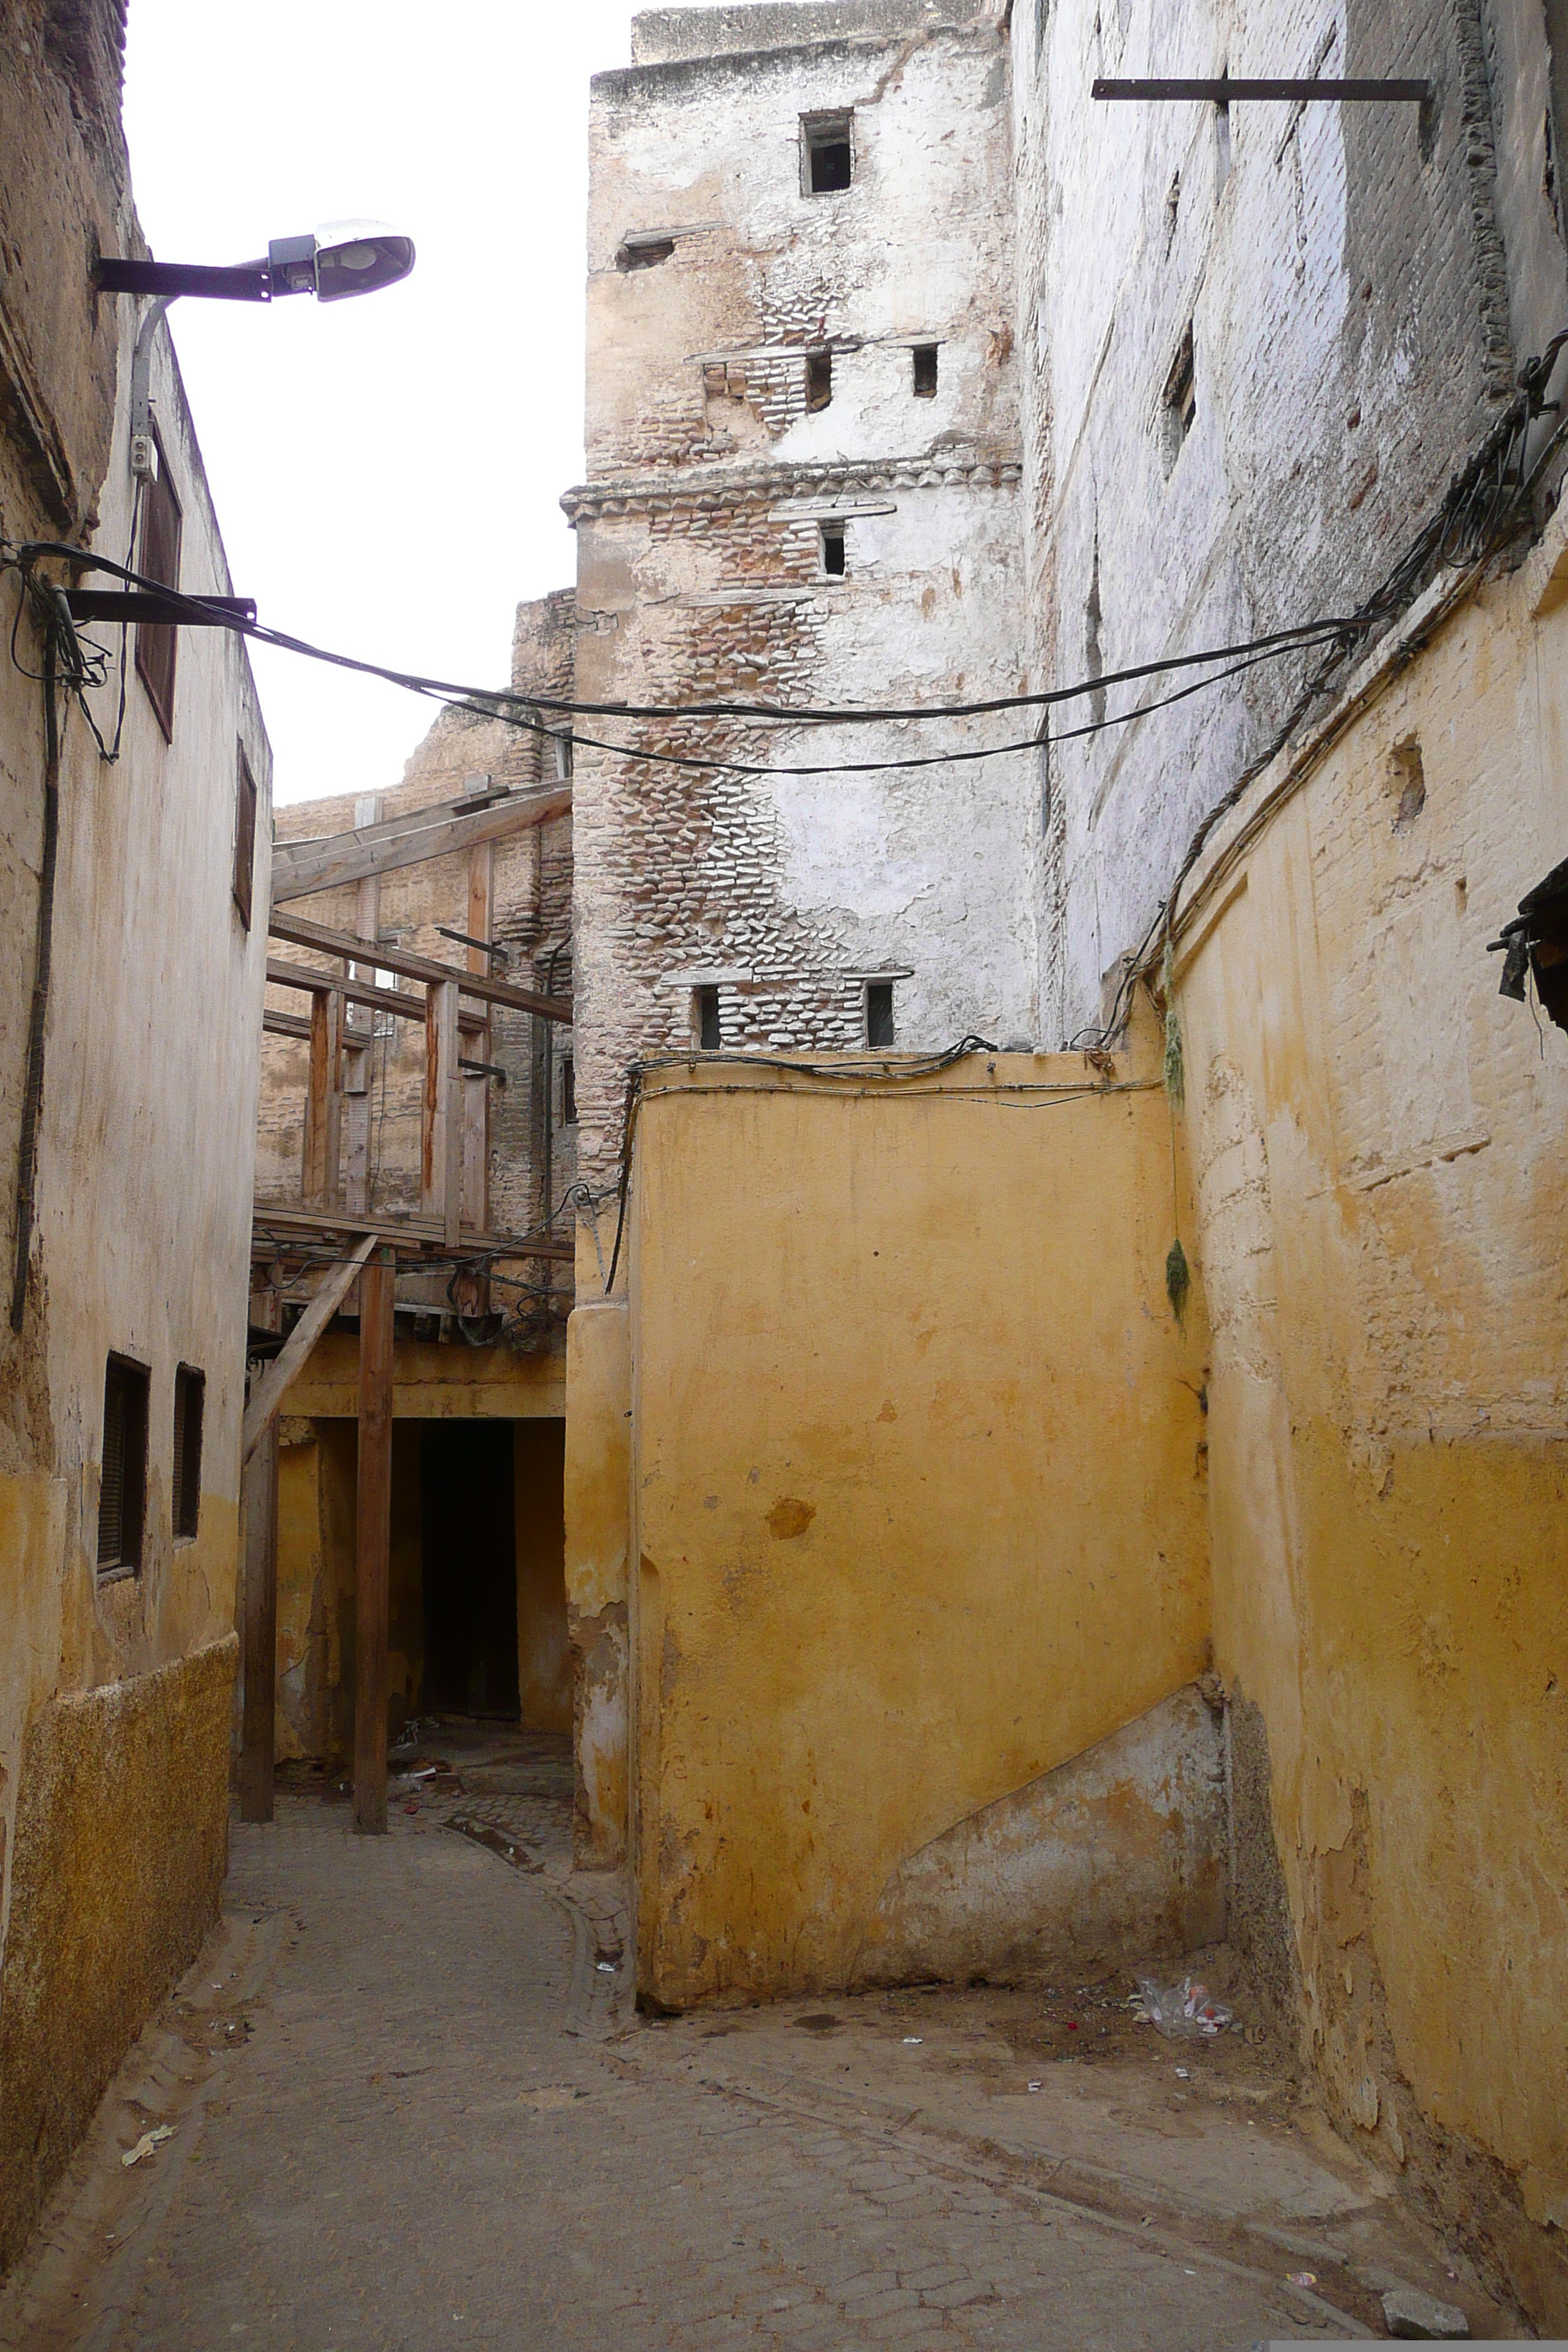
[
  {"x": 827, "y": 153},
  {"x": 644, "y": 252},
  {"x": 833, "y": 550},
  {"x": 190, "y": 1395},
  {"x": 925, "y": 370},
  {"x": 706, "y": 1031},
  {"x": 122, "y": 1480},
  {"x": 818, "y": 379},
  {"x": 880, "y": 1012}
]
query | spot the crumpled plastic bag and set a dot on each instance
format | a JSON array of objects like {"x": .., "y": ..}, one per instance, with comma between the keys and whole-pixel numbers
[{"x": 1184, "y": 2011}]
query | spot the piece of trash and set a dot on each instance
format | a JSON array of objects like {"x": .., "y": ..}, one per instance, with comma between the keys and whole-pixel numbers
[
  {"x": 604, "y": 1968},
  {"x": 913, "y": 2040},
  {"x": 1410, "y": 2314},
  {"x": 1183, "y": 2074},
  {"x": 147, "y": 2143},
  {"x": 1184, "y": 2011},
  {"x": 1186, "y": 2273},
  {"x": 411, "y": 1807},
  {"x": 1301, "y": 2278},
  {"x": 1036, "y": 2086}
]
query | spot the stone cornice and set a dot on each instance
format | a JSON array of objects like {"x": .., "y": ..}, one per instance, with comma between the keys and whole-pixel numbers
[{"x": 693, "y": 489}]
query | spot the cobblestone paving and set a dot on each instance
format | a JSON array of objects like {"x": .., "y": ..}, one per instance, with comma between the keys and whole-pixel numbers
[{"x": 410, "y": 2151}]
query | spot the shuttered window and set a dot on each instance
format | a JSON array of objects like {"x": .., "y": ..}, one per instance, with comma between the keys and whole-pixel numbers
[
  {"x": 190, "y": 1396},
  {"x": 156, "y": 642},
  {"x": 123, "y": 1487},
  {"x": 244, "y": 840}
]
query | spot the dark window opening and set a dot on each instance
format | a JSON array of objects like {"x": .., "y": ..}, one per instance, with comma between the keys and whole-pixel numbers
[
  {"x": 568, "y": 1092},
  {"x": 818, "y": 379},
  {"x": 1181, "y": 403},
  {"x": 644, "y": 252},
  {"x": 705, "y": 1026},
  {"x": 925, "y": 370},
  {"x": 833, "y": 556},
  {"x": 878, "y": 1012},
  {"x": 244, "y": 840},
  {"x": 190, "y": 1395},
  {"x": 1222, "y": 140},
  {"x": 829, "y": 160},
  {"x": 563, "y": 756},
  {"x": 157, "y": 642},
  {"x": 122, "y": 1484}
]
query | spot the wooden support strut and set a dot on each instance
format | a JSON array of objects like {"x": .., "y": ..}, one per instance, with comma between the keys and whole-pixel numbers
[
  {"x": 442, "y": 1132},
  {"x": 299, "y": 933},
  {"x": 324, "y": 1105},
  {"x": 372, "y": 1541},
  {"x": 289, "y": 1361}
]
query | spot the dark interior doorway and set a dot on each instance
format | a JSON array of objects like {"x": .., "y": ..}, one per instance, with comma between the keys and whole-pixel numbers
[{"x": 470, "y": 1567}]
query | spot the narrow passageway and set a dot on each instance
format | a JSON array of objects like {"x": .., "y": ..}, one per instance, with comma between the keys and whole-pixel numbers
[{"x": 385, "y": 2134}]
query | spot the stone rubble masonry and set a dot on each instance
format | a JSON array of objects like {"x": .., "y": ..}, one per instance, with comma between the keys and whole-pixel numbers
[{"x": 700, "y": 565}]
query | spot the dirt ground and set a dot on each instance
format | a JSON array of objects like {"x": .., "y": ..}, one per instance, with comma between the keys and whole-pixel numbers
[{"x": 404, "y": 2100}]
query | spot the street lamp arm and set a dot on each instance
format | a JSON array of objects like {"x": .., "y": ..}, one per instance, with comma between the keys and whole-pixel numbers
[{"x": 252, "y": 282}]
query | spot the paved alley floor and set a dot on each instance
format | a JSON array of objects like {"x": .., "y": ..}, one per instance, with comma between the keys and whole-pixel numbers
[{"x": 382, "y": 2137}]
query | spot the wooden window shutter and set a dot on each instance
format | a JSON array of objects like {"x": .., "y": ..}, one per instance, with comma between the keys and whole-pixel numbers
[
  {"x": 157, "y": 642},
  {"x": 190, "y": 1396},
  {"x": 122, "y": 1486}
]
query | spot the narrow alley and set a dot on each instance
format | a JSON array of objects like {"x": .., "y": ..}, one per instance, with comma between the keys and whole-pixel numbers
[{"x": 408, "y": 2104}]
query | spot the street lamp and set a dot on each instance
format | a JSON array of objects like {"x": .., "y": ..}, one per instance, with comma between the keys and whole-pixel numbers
[{"x": 341, "y": 258}]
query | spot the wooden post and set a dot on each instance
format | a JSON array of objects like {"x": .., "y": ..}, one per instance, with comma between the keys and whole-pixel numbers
[
  {"x": 372, "y": 1540},
  {"x": 258, "y": 1601},
  {"x": 443, "y": 1123},
  {"x": 477, "y": 1091},
  {"x": 323, "y": 1110},
  {"x": 358, "y": 1037}
]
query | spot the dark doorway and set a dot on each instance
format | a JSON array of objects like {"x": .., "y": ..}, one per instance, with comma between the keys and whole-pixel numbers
[{"x": 469, "y": 1567}]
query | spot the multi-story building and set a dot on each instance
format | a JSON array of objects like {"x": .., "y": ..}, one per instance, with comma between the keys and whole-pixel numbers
[{"x": 134, "y": 798}]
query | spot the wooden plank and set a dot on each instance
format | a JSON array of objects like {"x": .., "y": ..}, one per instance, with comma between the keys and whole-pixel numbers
[
  {"x": 299, "y": 933},
  {"x": 259, "y": 1606},
  {"x": 408, "y": 1232},
  {"x": 290, "y": 1362},
  {"x": 401, "y": 1002},
  {"x": 441, "y": 1163},
  {"x": 372, "y": 1541},
  {"x": 323, "y": 1102},
  {"x": 301, "y": 867}
]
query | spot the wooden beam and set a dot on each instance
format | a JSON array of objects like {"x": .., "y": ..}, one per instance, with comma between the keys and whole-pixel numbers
[
  {"x": 477, "y": 1091},
  {"x": 299, "y": 868},
  {"x": 401, "y": 1002},
  {"x": 442, "y": 1126},
  {"x": 323, "y": 1102},
  {"x": 285, "y": 1220},
  {"x": 359, "y": 1033},
  {"x": 286, "y": 1367},
  {"x": 302, "y": 934},
  {"x": 286, "y": 1025},
  {"x": 258, "y": 1605},
  {"x": 372, "y": 1541}
]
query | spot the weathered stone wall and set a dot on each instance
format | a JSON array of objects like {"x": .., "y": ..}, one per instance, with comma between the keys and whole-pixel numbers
[
  {"x": 1342, "y": 276},
  {"x": 701, "y": 571}
]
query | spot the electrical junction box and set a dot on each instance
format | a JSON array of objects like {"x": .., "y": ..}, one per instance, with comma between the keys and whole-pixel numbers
[{"x": 144, "y": 457}]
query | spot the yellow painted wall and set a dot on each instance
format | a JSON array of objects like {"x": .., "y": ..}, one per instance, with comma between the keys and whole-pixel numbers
[
  {"x": 1378, "y": 1140},
  {"x": 543, "y": 1653},
  {"x": 917, "y": 1482},
  {"x": 598, "y": 1475}
]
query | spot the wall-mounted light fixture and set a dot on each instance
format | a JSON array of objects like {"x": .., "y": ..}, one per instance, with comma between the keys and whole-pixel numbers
[{"x": 341, "y": 258}]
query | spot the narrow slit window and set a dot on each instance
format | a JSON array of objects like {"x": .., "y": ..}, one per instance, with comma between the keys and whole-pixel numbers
[
  {"x": 818, "y": 379},
  {"x": 190, "y": 1397},
  {"x": 880, "y": 1012},
  {"x": 563, "y": 756},
  {"x": 157, "y": 642},
  {"x": 925, "y": 370},
  {"x": 1181, "y": 402},
  {"x": 123, "y": 1482},
  {"x": 833, "y": 553},
  {"x": 705, "y": 1026},
  {"x": 827, "y": 156},
  {"x": 243, "y": 838},
  {"x": 568, "y": 1092}
]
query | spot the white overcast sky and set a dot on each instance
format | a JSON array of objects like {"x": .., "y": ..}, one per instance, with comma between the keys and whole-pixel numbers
[{"x": 387, "y": 471}]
